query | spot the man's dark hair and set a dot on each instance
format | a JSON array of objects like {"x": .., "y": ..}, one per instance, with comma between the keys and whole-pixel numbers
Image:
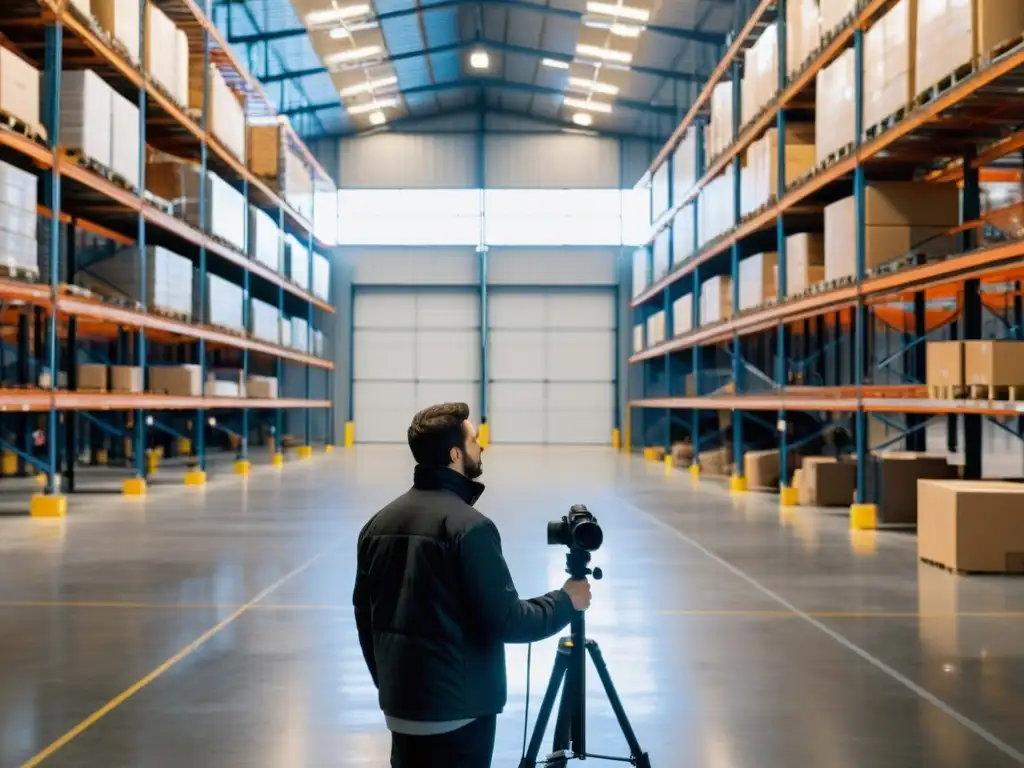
[{"x": 435, "y": 431}]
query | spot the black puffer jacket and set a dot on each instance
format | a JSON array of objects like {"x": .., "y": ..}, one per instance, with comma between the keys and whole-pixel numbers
[{"x": 435, "y": 603}]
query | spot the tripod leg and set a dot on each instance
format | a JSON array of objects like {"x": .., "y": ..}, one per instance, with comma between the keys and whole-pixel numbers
[
  {"x": 642, "y": 760},
  {"x": 563, "y": 722},
  {"x": 544, "y": 714}
]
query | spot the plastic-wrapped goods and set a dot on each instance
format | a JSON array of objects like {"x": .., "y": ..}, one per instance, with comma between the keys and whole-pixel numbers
[
  {"x": 682, "y": 315},
  {"x": 835, "y": 14},
  {"x": 641, "y": 278},
  {"x": 889, "y": 64},
  {"x": 803, "y": 32},
  {"x": 264, "y": 319},
  {"x": 660, "y": 191},
  {"x": 225, "y": 116},
  {"x": 224, "y": 303},
  {"x": 685, "y": 163},
  {"x": 181, "y": 67},
  {"x": 85, "y": 114},
  {"x": 19, "y": 89},
  {"x": 720, "y": 129},
  {"x": 124, "y": 138},
  {"x": 321, "y": 277},
  {"x": 264, "y": 239},
  {"x": 717, "y": 207},
  {"x": 120, "y": 19},
  {"x": 682, "y": 236},
  {"x": 656, "y": 328},
  {"x": 168, "y": 278},
  {"x": 161, "y": 49},
  {"x": 297, "y": 184},
  {"x": 834, "y": 115},
  {"x": 298, "y": 262},
  {"x": 661, "y": 256},
  {"x": 286, "y": 331},
  {"x": 300, "y": 334},
  {"x": 319, "y": 343},
  {"x": 227, "y": 212}
]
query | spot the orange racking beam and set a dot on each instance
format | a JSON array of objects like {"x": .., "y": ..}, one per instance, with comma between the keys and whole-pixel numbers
[{"x": 25, "y": 400}]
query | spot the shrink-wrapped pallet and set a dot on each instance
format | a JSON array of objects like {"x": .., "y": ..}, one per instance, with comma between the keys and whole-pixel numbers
[
  {"x": 264, "y": 239},
  {"x": 227, "y": 212},
  {"x": 124, "y": 138},
  {"x": 178, "y": 183},
  {"x": 685, "y": 163},
  {"x": 265, "y": 321},
  {"x": 223, "y": 302},
  {"x": 225, "y": 116},
  {"x": 19, "y": 89},
  {"x": 85, "y": 115},
  {"x": 161, "y": 49},
  {"x": 168, "y": 278},
  {"x": 321, "y": 277},
  {"x": 300, "y": 334},
  {"x": 298, "y": 262},
  {"x": 121, "y": 20}
]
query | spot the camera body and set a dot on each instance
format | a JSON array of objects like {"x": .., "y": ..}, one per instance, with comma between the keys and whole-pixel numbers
[{"x": 577, "y": 530}]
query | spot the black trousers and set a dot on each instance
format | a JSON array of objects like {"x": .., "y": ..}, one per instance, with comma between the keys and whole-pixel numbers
[{"x": 468, "y": 747}]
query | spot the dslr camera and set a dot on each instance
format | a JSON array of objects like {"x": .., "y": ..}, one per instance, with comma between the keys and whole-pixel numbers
[{"x": 577, "y": 530}]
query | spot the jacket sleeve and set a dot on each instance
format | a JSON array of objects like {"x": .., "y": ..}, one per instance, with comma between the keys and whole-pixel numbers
[
  {"x": 361, "y": 602},
  {"x": 493, "y": 600}
]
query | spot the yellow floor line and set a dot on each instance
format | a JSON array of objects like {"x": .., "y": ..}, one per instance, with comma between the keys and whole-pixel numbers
[{"x": 188, "y": 649}]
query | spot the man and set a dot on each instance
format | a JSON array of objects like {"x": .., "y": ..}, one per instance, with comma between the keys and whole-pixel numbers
[{"x": 435, "y": 603}]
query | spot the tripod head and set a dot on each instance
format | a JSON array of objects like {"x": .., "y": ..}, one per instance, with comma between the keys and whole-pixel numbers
[{"x": 577, "y": 565}]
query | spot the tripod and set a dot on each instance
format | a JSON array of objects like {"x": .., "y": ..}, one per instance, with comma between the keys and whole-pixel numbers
[{"x": 570, "y": 668}]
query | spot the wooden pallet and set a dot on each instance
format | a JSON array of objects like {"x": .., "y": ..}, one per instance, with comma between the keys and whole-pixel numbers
[
  {"x": 98, "y": 168},
  {"x": 887, "y": 122},
  {"x": 20, "y": 273},
  {"x": 946, "y": 392},
  {"x": 185, "y": 317},
  {"x": 839, "y": 154},
  {"x": 958, "y": 572},
  {"x": 35, "y": 133},
  {"x": 993, "y": 393},
  {"x": 953, "y": 78},
  {"x": 1003, "y": 48}
]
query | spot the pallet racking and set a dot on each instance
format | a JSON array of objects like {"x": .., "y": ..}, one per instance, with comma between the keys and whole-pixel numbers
[
  {"x": 76, "y": 197},
  {"x": 963, "y": 131}
]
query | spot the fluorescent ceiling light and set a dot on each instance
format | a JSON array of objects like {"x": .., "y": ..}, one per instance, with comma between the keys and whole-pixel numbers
[
  {"x": 352, "y": 54},
  {"x": 625, "y": 30},
  {"x": 604, "y": 54},
  {"x": 368, "y": 86},
  {"x": 334, "y": 15},
  {"x": 555, "y": 63},
  {"x": 587, "y": 104},
  {"x": 372, "y": 106},
  {"x": 345, "y": 32},
  {"x": 595, "y": 86},
  {"x": 479, "y": 60},
  {"x": 340, "y": 33},
  {"x": 583, "y": 118},
  {"x": 378, "y": 118},
  {"x": 619, "y": 11}
]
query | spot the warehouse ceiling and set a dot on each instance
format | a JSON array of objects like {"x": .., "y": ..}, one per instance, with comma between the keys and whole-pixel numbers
[{"x": 339, "y": 67}]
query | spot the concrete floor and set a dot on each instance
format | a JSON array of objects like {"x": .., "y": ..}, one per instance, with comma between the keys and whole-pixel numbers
[{"x": 212, "y": 627}]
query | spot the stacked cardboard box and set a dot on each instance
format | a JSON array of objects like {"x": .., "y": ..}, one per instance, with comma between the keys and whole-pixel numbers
[
  {"x": 805, "y": 262},
  {"x": 762, "y": 171},
  {"x": 300, "y": 334},
  {"x": 638, "y": 338},
  {"x": 225, "y": 115},
  {"x": 716, "y": 299},
  {"x": 889, "y": 63},
  {"x": 803, "y": 32},
  {"x": 834, "y": 108},
  {"x": 177, "y": 181},
  {"x": 682, "y": 314},
  {"x": 264, "y": 239},
  {"x": 971, "y": 526},
  {"x": 641, "y": 268},
  {"x": 757, "y": 279},
  {"x": 656, "y": 328},
  {"x": 86, "y": 115},
  {"x": 178, "y": 380},
  {"x": 826, "y": 481},
  {"x": 223, "y": 303},
  {"x": 720, "y": 128},
  {"x": 684, "y": 163},
  {"x": 835, "y": 14},
  {"x": 945, "y": 368},
  {"x": 264, "y": 320},
  {"x": 761, "y": 73},
  {"x": 92, "y": 377},
  {"x": 18, "y": 218},
  {"x": 763, "y": 468},
  {"x": 321, "y": 277},
  {"x": 954, "y": 33},
  {"x": 227, "y": 212},
  {"x": 168, "y": 278},
  {"x": 120, "y": 19},
  {"x": 716, "y": 462},
  {"x": 891, "y": 482},
  {"x": 19, "y": 89},
  {"x": 262, "y": 387},
  {"x": 683, "y": 235},
  {"x": 998, "y": 363},
  {"x": 682, "y": 454},
  {"x": 162, "y": 50},
  {"x": 126, "y": 378},
  {"x": 225, "y": 382},
  {"x": 297, "y": 254},
  {"x": 898, "y": 217}
]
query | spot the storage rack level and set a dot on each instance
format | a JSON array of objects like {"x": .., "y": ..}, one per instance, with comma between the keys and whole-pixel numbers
[
  {"x": 844, "y": 336},
  {"x": 55, "y": 327}
]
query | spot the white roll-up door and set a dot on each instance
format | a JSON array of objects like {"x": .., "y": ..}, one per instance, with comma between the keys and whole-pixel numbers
[
  {"x": 551, "y": 366},
  {"x": 412, "y": 348}
]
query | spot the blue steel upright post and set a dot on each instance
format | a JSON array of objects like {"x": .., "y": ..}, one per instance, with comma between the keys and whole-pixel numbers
[
  {"x": 51, "y": 503},
  {"x": 197, "y": 476},
  {"x": 667, "y": 308},
  {"x": 242, "y": 461},
  {"x": 739, "y": 482},
  {"x": 279, "y": 363},
  {"x": 695, "y": 351},
  {"x": 137, "y": 485},
  {"x": 787, "y": 495},
  {"x": 308, "y": 442},
  {"x": 862, "y": 515}
]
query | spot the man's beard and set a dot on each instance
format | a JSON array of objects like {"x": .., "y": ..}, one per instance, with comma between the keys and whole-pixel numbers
[{"x": 472, "y": 469}]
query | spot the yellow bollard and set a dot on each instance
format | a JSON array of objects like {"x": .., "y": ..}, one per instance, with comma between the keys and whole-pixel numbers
[
  {"x": 350, "y": 434},
  {"x": 242, "y": 467},
  {"x": 134, "y": 486},
  {"x": 616, "y": 439},
  {"x": 484, "y": 436},
  {"x": 304, "y": 451},
  {"x": 152, "y": 462}
]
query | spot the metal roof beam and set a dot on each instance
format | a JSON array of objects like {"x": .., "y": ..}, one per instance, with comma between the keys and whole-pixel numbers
[
  {"x": 467, "y": 83},
  {"x": 494, "y": 45},
  {"x": 679, "y": 33}
]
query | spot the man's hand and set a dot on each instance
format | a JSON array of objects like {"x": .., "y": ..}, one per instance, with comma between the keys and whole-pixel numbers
[{"x": 579, "y": 592}]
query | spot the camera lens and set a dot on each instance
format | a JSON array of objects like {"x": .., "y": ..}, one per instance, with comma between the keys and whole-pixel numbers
[
  {"x": 587, "y": 536},
  {"x": 558, "y": 533}
]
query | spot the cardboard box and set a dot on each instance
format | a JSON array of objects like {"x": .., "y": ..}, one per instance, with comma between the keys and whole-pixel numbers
[
  {"x": 834, "y": 110},
  {"x": 716, "y": 299},
  {"x": 638, "y": 337},
  {"x": 826, "y": 481},
  {"x": 262, "y": 387},
  {"x": 994, "y": 363},
  {"x": 264, "y": 321},
  {"x": 264, "y": 150},
  {"x": 761, "y": 468},
  {"x": 717, "y": 462},
  {"x": 178, "y": 380},
  {"x": 656, "y": 328},
  {"x": 125, "y": 378},
  {"x": 86, "y": 114},
  {"x": 805, "y": 262},
  {"x": 161, "y": 49},
  {"x": 92, "y": 377},
  {"x": 758, "y": 279},
  {"x": 972, "y": 526},
  {"x": 682, "y": 314},
  {"x": 19, "y": 88},
  {"x": 891, "y": 482},
  {"x": 945, "y": 366},
  {"x": 181, "y": 66},
  {"x": 890, "y": 63},
  {"x": 225, "y": 115},
  {"x": 121, "y": 20}
]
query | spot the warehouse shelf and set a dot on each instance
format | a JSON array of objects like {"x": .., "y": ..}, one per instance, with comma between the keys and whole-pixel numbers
[
  {"x": 850, "y": 336},
  {"x": 21, "y": 400}
]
